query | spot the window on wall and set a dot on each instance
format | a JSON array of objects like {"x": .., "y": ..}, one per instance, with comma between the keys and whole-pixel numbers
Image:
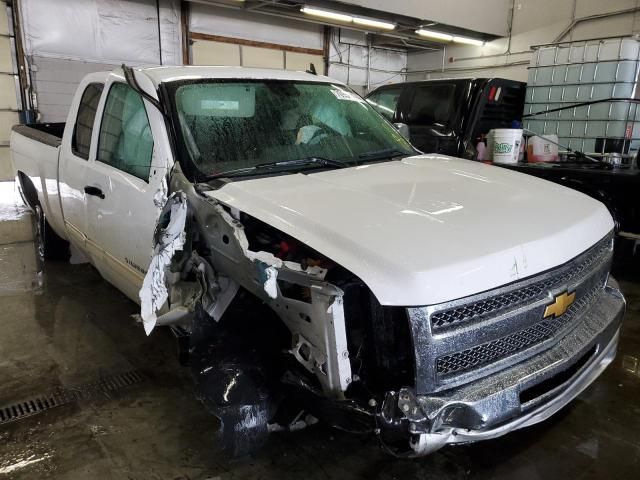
[
  {"x": 125, "y": 139},
  {"x": 81, "y": 141}
]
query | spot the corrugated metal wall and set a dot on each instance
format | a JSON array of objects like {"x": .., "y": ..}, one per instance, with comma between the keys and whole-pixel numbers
[
  {"x": 66, "y": 40},
  {"x": 8, "y": 99},
  {"x": 55, "y": 81}
]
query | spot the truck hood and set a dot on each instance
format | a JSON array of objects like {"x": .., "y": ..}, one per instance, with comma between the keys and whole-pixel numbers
[{"x": 429, "y": 228}]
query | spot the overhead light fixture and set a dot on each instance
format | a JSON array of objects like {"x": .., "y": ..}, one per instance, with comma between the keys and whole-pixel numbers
[
  {"x": 435, "y": 35},
  {"x": 367, "y": 22},
  {"x": 468, "y": 41},
  {"x": 342, "y": 17},
  {"x": 316, "y": 12},
  {"x": 445, "y": 37}
]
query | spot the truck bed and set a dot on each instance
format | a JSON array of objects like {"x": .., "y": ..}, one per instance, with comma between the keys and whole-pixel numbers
[
  {"x": 35, "y": 151},
  {"x": 47, "y": 133}
]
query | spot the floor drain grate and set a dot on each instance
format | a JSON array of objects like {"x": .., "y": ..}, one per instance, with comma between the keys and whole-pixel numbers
[
  {"x": 28, "y": 408},
  {"x": 64, "y": 396}
]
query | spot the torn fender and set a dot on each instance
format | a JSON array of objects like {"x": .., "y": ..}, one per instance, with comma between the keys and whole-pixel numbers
[{"x": 169, "y": 238}]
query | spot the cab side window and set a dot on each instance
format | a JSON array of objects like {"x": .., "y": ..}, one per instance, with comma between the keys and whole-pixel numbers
[
  {"x": 125, "y": 139},
  {"x": 82, "y": 130},
  {"x": 432, "y": 104},
  {"x": 385, "y": 101}
]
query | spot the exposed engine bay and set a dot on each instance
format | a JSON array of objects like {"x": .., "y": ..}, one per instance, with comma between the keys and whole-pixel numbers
[{"x": 277, "y": 335}]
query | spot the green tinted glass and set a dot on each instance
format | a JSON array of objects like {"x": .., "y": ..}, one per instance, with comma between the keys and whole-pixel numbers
[{"x": 125, "y": 140}]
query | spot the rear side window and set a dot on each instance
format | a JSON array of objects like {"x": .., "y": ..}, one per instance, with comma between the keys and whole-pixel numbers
[
  {"x": 125, "y": 140},
  {"x": 385, "y": 101},
  {"x": 432, "y": 104},
  {"x": 81, "y": 140}
]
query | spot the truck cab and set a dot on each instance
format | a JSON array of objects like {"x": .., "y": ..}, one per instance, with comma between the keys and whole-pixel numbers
[{"x": 448, "y": 116}]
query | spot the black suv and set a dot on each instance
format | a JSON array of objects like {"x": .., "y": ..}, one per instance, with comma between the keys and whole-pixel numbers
[{"x": 448, "y": 116}]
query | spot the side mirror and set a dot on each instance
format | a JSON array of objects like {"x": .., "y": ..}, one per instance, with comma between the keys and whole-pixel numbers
[{"x": 403, "y": 128}]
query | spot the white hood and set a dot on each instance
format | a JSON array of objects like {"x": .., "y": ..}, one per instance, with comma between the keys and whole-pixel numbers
[{"x": 429, "y": 228}]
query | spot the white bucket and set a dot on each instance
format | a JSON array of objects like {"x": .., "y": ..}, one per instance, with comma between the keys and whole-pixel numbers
[
  {"x": 543, "y": 149},
  {"x": 506, "y": 145}
]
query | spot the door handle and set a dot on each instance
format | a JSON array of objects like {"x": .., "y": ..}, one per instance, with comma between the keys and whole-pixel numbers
[{"x": 95, "y": 191}]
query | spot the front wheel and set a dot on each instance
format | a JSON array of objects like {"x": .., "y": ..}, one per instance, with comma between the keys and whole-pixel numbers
[{"x": 49, "y": 245}]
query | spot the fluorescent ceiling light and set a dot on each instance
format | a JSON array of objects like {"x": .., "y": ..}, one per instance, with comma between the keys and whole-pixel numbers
[
  {"x": 435, "y": 35},
  {"x": 445, "y": 37},
  {"x": 373, "y": 23},
  {"x": 468, "y": 41},
  {"x": 341, "y": 17},
  {"x": 326, "y": 14}
]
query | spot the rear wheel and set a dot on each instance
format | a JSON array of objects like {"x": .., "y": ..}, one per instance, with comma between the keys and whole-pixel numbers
[{"x": 48, "y": 244}]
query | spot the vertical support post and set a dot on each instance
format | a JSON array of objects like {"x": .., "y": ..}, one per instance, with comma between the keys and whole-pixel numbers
[
  {"x": 159, "y": 31},
  {"x": 325, "y": 48},
  {"x": 23, "y": 72},
  {"x": 184, "y": 23}
]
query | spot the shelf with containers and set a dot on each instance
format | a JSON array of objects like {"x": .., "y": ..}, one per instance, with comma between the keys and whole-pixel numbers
[{"x": 565, "y": 74}]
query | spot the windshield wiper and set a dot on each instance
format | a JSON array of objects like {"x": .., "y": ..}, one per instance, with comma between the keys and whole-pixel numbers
[
  {"x": 300, "y": 162},
  {"x": 382, "y": 154}
]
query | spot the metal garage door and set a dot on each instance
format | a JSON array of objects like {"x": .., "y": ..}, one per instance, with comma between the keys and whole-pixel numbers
[
  {"x": 8, "y": 100},
  {"x": 55, "y": 80},
  {"x": 212, "y": 50}
]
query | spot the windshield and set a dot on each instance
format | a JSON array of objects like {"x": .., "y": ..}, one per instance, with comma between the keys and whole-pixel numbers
[{"x": 226, "y": 126}]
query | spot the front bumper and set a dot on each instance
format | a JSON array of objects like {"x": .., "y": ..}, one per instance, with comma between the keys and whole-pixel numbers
[{"x": 522, "y": 395}]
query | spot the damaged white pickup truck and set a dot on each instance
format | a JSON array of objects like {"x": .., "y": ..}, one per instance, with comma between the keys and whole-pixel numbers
[{"x": 316, "y": 266}]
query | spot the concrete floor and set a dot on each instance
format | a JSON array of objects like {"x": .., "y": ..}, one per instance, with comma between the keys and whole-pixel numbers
[{"x": 68, "y": 327}]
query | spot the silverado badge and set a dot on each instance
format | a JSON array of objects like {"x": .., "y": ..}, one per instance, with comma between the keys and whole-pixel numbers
[{"x": 560, "y": 305}]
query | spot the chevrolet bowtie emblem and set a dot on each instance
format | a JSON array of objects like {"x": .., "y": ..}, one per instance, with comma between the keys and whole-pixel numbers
[{"x": 560, "y": 305}]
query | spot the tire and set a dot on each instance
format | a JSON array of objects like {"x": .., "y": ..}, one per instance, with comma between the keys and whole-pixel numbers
[
  {"x": 230, "y": 383},
  {"x": 21, "y": 191},
  {"x": 49, "y": 246}
]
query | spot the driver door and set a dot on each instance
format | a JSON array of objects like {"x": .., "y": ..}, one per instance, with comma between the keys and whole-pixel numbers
[{"x": 120, "y": 187}]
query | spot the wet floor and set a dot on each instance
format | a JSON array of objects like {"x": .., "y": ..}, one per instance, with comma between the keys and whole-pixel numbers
[{"x": 75, "y": 329}]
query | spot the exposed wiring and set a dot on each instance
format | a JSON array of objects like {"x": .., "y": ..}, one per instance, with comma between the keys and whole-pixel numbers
[
  {"x": 379, "y": 70},
  {"x": 386, "y": 80},
  {"x": 471, "y": 69},
  {"x": 339, "y": 52},
  {"x": 335, "y": 47}
]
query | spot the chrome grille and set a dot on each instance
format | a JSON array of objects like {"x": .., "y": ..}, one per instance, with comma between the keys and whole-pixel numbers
[
  {"x": 483, "y": 354},
  {"x": 442, "y": 319},
  {"x": 496, "y": 329}
]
